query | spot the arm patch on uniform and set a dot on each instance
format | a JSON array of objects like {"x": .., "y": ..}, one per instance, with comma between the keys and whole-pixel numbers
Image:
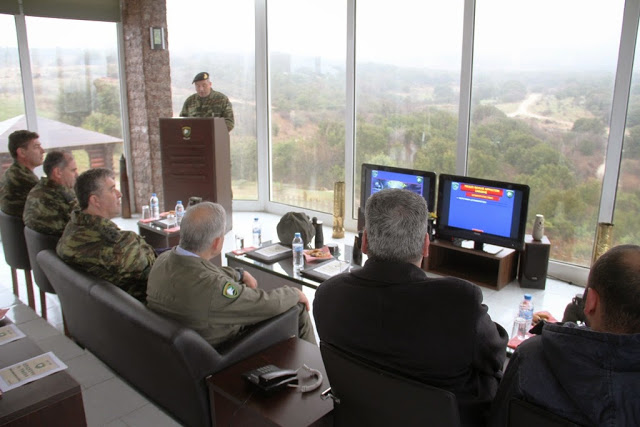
[{"x": 231, "y": 291}]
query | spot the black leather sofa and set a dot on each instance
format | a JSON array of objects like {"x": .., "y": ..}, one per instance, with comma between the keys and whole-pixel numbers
[{"x": 165, "y": 361}]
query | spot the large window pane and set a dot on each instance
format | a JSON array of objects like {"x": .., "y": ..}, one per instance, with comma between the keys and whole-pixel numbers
[
  {"x": 626, "y": 221},
  {"x": 542, "y": 90},
  {"x": 11, "y": 99},
  {"x": 407, "y": 84},
  {"x": 307, "y": 48},
  {"x": 218, "y": 37},
  {"x": 77, "y": 89}
]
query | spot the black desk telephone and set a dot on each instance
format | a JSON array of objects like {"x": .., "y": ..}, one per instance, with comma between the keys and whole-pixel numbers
[{"x": 270, "y": 378}]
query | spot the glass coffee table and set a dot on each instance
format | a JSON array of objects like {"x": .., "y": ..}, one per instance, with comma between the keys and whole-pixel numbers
[{"x": 279, "y": 273}]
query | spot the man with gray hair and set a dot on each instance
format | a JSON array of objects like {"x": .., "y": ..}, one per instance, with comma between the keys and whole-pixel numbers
[
  {"x": 389, "y": 312},
  {"x": 50, "y": 203},
  {"x": 219, "y": 303}
]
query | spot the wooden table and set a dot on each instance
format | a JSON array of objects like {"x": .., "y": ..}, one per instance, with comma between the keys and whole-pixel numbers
[
  {"x": 158, "y": 237},
  {"x": 55, "y": 400},
  {"x": 234, "y": 402}
]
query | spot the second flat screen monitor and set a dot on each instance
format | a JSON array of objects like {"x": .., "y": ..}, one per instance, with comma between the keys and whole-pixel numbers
[
  {"x": 482, "y": 210},
  {"x": 377, "y": 177}
]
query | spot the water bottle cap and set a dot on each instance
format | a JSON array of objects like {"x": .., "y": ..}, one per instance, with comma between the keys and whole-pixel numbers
[
  {"x": 297, "y": 235},
  {"x": 527, "y": 297},
  {"x": 153, "y": 194},
  {"x": 179, "y": 202}
]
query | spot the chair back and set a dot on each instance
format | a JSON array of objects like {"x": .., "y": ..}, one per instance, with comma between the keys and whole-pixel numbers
[
  {"x": 15, "y": 247},
  {"x": 526, "y": 414},
  {"x": 37, "y": 242},
  {"x": 368, "y": 395}
]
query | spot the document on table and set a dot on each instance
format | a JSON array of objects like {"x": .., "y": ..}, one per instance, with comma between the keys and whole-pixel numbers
[
  {"x": 29, "y": 370},
  {"x": 10, "y": 333},
  {"x": 332, "y": 268},
  {"x": 273, "y": 250}
]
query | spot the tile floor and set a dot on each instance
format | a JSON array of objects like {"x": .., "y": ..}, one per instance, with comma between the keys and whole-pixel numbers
[{"x": 110, "y": 401}]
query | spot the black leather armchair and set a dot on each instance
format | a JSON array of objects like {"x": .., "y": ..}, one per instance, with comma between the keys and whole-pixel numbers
[
  {"x": 368, "y": 395},
  {"x": 37, "y": 242},
  {"x": 15, "y": 253},
  {"x": 165, "y": 361}
]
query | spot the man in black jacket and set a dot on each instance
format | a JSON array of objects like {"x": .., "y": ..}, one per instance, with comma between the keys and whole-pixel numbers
[
  {"x": 392, "y": 314},
  {"x": 588, "y": 375}
]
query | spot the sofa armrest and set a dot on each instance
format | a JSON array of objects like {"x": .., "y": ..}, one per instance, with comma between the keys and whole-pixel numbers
[{"x": 260, "y": 337}]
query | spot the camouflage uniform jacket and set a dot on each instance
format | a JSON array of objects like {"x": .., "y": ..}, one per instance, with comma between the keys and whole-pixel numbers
[
  {"x": 15, "y": 185},
  {"x": 48, "y": 207},
  {"x": 97, "y": 246},
  {"x": 215, "y": 105},
  {"x": 208, "y": 298}
]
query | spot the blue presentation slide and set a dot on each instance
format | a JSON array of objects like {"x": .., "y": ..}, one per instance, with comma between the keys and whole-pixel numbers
[
  {"x": 381, "y": 180},
  {"x": 482, "y": 209}
]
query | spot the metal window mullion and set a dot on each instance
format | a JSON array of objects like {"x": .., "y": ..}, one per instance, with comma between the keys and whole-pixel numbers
[
  {"x": 263, "y": 117},
  {"x": 25, "y": 71},
  {"x": 466, "y": 73},
  {"x": 620, "y": 104},
  {"x": 124, "y": 113},
  {"x": 350, "y": 115}
]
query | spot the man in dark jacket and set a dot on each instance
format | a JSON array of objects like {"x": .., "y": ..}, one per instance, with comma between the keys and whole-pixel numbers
[
  {"x": 589, "y": 375},
  {"x": 390, "y": 313}
]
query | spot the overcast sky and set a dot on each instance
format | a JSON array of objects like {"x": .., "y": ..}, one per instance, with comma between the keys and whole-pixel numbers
[{"x": 510, "y": 34}]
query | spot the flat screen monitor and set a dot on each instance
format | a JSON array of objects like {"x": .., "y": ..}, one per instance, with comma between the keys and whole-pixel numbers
[
  {"x": 482, "y": 210},
  {"x": 377, "y": 177}
]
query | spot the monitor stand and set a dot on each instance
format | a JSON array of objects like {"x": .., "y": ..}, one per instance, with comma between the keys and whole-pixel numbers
[{"x": 485, "y": 269}]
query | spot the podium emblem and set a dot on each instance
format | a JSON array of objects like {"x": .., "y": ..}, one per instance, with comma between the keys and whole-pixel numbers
[{"x": 186, "y": 132}]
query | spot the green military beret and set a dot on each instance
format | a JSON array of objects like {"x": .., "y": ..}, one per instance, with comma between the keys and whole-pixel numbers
[
  {"x": 295, "y": 222},
  {"x": 201, "y": 76}
]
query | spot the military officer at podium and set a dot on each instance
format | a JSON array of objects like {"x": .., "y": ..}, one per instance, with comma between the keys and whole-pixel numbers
[{"x": 207, "y": 102}]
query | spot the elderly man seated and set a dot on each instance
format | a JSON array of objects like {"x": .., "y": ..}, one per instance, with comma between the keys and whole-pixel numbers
[{"x": 219, "y": 303}]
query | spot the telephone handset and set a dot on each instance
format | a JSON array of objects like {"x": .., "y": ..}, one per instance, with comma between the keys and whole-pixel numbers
[{"x": 270, "y": 378}]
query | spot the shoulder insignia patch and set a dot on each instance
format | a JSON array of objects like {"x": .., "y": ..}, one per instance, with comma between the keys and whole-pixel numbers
[{"x": 230, "y": 290}]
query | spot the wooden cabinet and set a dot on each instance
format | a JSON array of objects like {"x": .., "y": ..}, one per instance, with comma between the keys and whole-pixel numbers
[{"x": 481, "y": 268}]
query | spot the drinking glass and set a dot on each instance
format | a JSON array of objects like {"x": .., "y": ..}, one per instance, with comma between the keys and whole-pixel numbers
[
  {"x": 239, "y": 241},
  {"x": 146, "y": 213},
  {"x": 519, "y": 328},
  {"x": 171, "y": 220}
]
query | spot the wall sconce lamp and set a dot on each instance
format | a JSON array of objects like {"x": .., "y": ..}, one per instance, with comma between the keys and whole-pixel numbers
[{"x": 157, "y": 38}]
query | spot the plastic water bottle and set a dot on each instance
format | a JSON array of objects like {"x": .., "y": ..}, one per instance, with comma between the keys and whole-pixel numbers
[
  {"x": 179, "y": 212},
  {"x": 257, "y": 232},
  {"x": 298, "y": 257},
  {"x": 526, "y": 310},
  {"x": 154, "y": 204}
]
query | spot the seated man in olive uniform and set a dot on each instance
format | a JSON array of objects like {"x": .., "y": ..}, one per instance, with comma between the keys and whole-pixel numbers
[
  {"x": 19, "y": 179},
  {"x": 219, "y": 303},
  {"x": 207, "y": 102},
  {"x": 92, "y": 242},
  {"x": 51, "y": 201}
]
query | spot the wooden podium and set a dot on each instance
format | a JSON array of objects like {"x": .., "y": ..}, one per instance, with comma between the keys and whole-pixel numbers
[{"x": 196, "y": 161}]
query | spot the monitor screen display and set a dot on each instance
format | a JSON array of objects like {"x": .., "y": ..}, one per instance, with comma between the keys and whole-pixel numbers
[
  {"x": 482, "y": 210},
  {"x": 377, "y": 177}
]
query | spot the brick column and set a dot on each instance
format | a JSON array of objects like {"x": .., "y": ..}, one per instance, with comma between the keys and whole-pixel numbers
[{"x": 148, "y": 80}]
